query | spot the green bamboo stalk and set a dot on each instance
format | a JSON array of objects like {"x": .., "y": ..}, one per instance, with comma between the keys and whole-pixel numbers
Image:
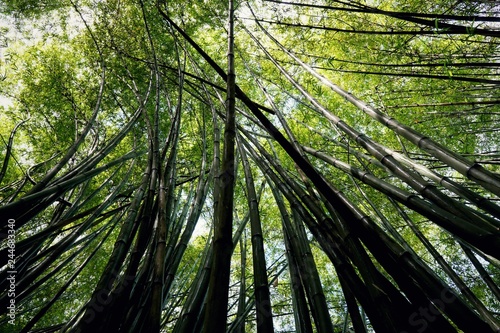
[
  {"x": 240, "y": 313},
  {"x": 217, "y": 298},
  {"x": 471, "y": 170},
  {"x": 382, "y": 153},
  {"x": 482, "y": 272},
  {"x": 455, "y": 224},
  {"x": 16, "y": 208},
  {"x": 332, "y": 249},
  {"x": 8, "y": 150},
  {"x": 393, "y": 268},
  {"x": 261, "y": 286},
  {"x": 464, "y": 289},
  {"x": 65, "y": 286}
]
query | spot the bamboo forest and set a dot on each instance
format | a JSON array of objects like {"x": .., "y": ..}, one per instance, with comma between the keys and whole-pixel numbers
[{"x": 249, "y": 166}]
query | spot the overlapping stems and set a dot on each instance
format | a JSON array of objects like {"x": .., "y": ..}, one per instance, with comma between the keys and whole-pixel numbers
[{"x": 145, "y": 284}]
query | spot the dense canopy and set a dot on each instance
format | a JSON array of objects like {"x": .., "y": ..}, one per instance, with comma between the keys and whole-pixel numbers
[{"x": 249, "y": 166}]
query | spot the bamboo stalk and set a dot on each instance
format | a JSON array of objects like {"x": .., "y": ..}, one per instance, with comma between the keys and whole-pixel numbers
[{"x": 261, "y": 286}]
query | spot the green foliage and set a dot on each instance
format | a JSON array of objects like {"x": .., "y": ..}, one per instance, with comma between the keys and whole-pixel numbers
[
  {"x": 441, "y": 85},
  {"x": 30, "y": 7}
]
